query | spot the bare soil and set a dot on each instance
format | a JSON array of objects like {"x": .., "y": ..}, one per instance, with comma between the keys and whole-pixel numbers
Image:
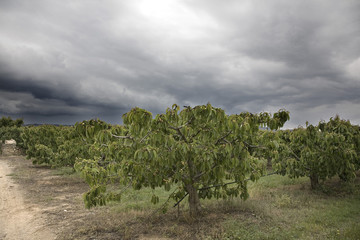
[
  {"x": 18, "y": 219},
  {"x": 35, "y": 202}
]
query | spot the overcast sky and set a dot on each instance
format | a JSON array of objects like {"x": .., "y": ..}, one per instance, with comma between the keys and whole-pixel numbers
[{"x": 71, "y": 60}]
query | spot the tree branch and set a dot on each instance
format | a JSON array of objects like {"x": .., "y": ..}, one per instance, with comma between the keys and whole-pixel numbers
[
  {"x": 223, "y": 138},
  {"x": 180, "y": 127},
  {"x": 220, "y": 185},
  {"x": 143, "y": 139},
  {"x": 178, "y": 202},
  {"x": 122, "y": 137},
  {"x": 254, "y": 146},
  {"x": 297, "y": 158},
  {"x": 194, "y": 135},
  {"x": 229, "y": 183},
  {"x": 164, "y": 204},
  {"x": 182, "y": 135},
  {"x": 196, "y": 177}
]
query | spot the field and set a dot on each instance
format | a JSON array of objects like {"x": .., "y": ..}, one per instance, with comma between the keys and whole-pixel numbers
[{"x": 278, "y": 208}]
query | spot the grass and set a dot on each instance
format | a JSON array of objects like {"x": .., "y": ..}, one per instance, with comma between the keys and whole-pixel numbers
[
  {"x": 288, "y": 209},
  {"x": 61, "y": 171},
  {"x": 140, "y": 200},
  {"x": 278, "y": 208}
]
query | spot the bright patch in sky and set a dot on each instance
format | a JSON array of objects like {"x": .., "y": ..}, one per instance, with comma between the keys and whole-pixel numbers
[
  {"x": 162, "y": 10},
  {"x": 176, "y": 18}
]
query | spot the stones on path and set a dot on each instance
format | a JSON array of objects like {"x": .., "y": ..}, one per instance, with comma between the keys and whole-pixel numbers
[{"x": 9, "y": 148}]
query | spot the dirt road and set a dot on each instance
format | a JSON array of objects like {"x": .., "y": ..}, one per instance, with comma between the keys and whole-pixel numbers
[
  {"x": 18, "y": 219},
  {"x": 37, "y": 202}
]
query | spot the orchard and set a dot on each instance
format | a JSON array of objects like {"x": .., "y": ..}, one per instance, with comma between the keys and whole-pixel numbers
[{"x": 196, "y": 152}]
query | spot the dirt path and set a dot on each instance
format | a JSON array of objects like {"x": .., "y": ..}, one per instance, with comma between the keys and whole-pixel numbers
[
  {"x": 18, "y": 219},
  {"x": 38, "y": 202}
]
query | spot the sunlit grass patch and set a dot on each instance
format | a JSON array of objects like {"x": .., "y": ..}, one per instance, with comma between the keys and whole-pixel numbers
[
  {"x": 65, "y": 171},
  {"x": 140, "y": 200},
  {"x": 295, "y": 212}
]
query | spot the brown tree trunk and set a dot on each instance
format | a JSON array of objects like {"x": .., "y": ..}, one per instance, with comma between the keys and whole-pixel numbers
[
  {"x": 314, "y": 179},
  {"x": 194, "y": 201}
]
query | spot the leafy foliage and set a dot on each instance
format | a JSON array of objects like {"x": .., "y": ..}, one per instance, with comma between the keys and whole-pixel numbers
[
  {"x": 320, "y": 152},
  {"x": 59, "y": 145},
  {"x": 41, "y": 142},
  {"x": 8, "y": 122},
  {"x": 193, "y": 149}
]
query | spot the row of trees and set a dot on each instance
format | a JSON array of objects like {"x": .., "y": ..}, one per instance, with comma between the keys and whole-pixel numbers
[
  {"x": 200, "y": 152},
  {"x": 61, "y": 145}
]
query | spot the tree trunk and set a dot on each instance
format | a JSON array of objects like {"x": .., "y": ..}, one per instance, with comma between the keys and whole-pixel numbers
[
  {"x": 314, "y": 179},
  {"x": 194, "y": 201}
]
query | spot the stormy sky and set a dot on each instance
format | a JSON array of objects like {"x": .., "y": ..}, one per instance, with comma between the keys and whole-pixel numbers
[{"x": 71, "y": 60}]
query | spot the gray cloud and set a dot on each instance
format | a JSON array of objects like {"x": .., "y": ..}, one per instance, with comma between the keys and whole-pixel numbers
[{"x": 67, "y": 61}]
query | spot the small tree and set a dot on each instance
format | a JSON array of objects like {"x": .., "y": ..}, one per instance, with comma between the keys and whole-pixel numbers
[
  {"x": 319, "y": 152},
  {"x": 351, "y": 136},
  {"x": 198, "y": 150}
]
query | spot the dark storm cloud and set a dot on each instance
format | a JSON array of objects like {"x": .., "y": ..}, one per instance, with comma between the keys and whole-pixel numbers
[
  {"x": 314, "y": 41},
  {"x": 68, "y": 61},
  {"x": 11, "y": 84}
]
